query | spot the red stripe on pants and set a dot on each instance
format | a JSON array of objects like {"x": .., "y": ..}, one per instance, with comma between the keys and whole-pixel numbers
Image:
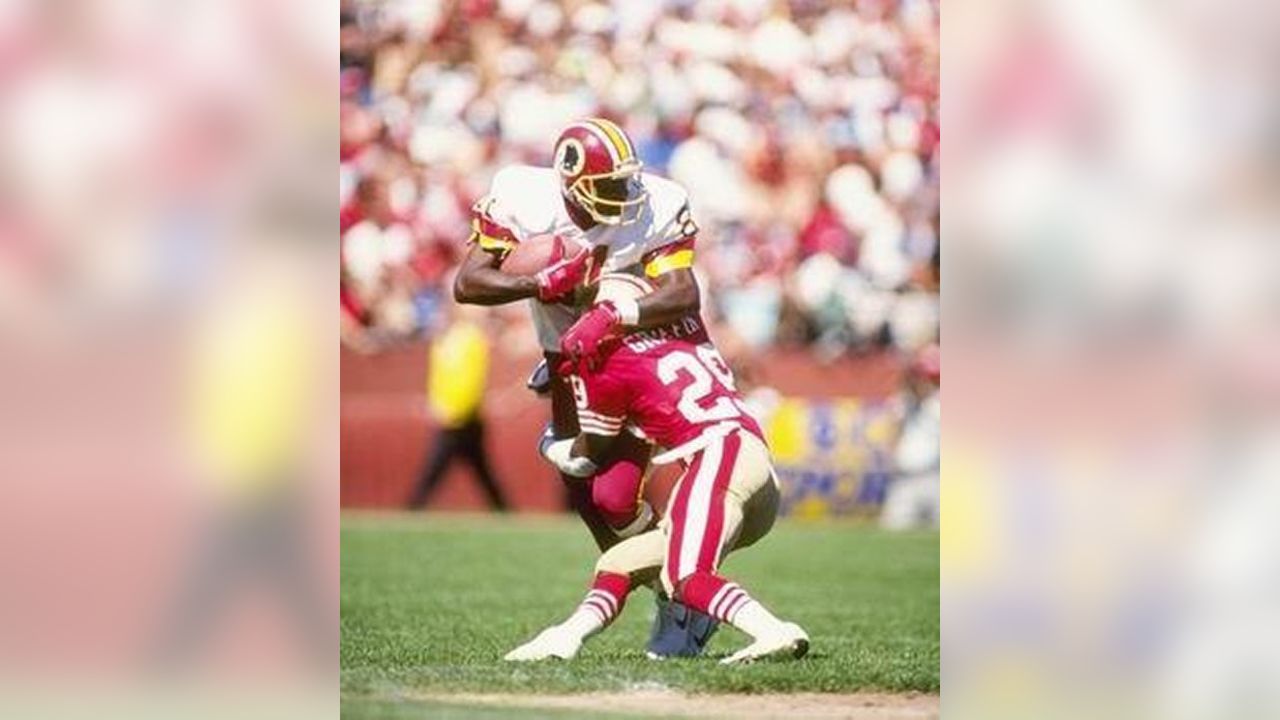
[
  {"x": 683, "y": 486},
  {"x": 709, "y": 555},
  {"x": 711, "y": 517}
]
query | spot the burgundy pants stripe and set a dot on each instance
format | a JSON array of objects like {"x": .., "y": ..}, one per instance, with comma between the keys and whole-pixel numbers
[
  {"x": 709, "y": 555},
  {"x": 677, "y": 513},
  {"x": 697, "y": 514}
]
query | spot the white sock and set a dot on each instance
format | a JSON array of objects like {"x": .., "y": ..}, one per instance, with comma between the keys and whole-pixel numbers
[
  {"x": 583, "y": 623},
  {"x": 597, "y": 609},
  {"x": 735, "y": 606},
  {"x": 755, "y": 619}
]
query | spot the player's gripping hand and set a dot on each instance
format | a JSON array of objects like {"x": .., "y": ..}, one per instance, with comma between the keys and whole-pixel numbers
[
  {"x": 583, "y": 343},
  {"x": 560, "y": 454},
  {"x": 558, "y": 280}
]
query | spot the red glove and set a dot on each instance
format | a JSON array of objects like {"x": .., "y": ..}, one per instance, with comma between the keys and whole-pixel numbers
[
  {"x": 558, "y": 280},
  {"x": 585, "y": 342}
]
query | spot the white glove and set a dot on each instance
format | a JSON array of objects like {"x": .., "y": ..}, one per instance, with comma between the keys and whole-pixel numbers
[{"x": 560, "y": 454}]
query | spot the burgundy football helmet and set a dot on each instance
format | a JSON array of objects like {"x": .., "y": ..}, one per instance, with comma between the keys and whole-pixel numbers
[{"x": 599, "y": 171}]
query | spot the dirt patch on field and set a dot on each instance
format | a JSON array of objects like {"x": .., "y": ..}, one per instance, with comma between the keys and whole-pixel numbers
[{"x": 853, "y": 706}]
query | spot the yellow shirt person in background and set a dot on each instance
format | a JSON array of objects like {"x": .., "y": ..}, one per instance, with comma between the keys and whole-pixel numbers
[
  {"x": 253, "y": 383},
  {"x": 457, "y": 369},
  {"x": 457, "y": 373}
]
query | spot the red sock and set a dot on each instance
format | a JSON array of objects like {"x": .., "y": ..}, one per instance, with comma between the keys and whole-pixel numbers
[
  {"x": 713, "y": 595},
  {"x": 607, "y": 595}
]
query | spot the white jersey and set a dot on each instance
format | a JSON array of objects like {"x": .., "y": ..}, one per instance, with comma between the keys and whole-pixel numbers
[{"x": 525, "y": 202}]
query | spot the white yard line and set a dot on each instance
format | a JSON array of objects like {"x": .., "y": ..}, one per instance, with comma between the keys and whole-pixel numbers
[{"x": 854, "y": 706}]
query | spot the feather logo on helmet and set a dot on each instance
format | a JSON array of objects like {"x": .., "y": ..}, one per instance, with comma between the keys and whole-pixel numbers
[{"x": 570, "y": 157}]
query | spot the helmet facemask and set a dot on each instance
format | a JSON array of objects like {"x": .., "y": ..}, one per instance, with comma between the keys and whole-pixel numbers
[{"x": 613, "y": 198}]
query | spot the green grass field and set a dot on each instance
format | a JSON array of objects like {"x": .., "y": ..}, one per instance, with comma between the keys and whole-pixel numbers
[{"x": 430, "y": 603}]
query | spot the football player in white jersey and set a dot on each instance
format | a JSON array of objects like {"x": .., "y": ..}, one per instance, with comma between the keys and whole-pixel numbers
[
  {"x": 596, "y": 196},
  {"x": 598, "y": 199}
]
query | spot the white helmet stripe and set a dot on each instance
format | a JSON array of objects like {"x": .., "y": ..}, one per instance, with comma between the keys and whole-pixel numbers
[{"x": 603, "y": 137}]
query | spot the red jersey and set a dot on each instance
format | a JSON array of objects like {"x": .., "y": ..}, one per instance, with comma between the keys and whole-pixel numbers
[{"x": 671, "y": 383}]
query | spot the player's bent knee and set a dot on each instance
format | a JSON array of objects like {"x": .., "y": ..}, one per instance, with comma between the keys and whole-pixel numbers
[
  {"x": 633, "y": 555},
  {"x": 616, "y": 492},
  {"x": 611, "y": 563},
  {"x": 618, "y": 508}
]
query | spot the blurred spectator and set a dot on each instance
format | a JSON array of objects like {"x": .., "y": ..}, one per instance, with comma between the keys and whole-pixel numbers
[
  {"x": 806, "y": 134},
  {"x": 456, "y": 379},
  {"x": 914, "y": 496}
]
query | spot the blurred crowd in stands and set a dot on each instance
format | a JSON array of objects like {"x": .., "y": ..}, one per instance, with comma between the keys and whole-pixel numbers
[{"x": 806, "y": 133}]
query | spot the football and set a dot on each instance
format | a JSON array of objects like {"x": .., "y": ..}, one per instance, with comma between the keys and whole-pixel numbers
[
  {"x": 534, "y": 254},
  {"x": 619, "y": 286}
]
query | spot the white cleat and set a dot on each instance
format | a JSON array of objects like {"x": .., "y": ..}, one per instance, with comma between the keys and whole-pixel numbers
[
  {"x": 789, "y": 641},
  {"x": 554, "y": 642}
]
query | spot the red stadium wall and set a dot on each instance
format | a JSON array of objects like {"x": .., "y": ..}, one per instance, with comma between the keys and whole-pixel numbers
[{"x": 386, "y": 431}]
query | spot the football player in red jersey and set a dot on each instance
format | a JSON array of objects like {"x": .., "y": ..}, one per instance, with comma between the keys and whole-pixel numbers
[
  {"x": 673, "y": 385},
  {"x": 597, "y": 198}
]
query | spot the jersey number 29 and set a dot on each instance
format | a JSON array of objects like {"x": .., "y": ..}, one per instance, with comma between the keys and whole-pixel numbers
[{"x": 704, "y": 369}]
